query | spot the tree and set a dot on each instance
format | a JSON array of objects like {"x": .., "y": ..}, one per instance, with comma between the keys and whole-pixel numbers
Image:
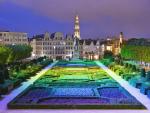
[
  {"x": 134, "y": 68},
  {"x": 139, "y": 42},
  {"x": 143, "y": 74},
  {"x": 9, "y": 54},
  {"x": 136, "y": 52},
  {"x": 4, "y": 55},
  {"x": 19, "y": 52},
  {"x": 2, "y": 78},
  {"x": 108, "y": 54},
  {"x": 148, "y": 75}
]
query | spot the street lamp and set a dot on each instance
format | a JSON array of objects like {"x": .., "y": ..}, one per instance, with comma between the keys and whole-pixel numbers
[{"x": 33, "y": 55}]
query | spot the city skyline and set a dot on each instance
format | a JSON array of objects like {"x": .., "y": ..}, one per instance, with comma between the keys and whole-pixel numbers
[{"x": 98, "y": 19}]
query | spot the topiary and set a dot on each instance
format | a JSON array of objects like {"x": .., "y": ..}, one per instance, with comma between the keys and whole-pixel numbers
[
  {"x": 17, "y": 68},
  {"x": 129, "y": 66},
  {"x": 6, "y": 73},
  {"x": 23, "y": 66},
  {"x": 121, "y": 62},
  {"x": 1, "y": 77},
  {"x": 134, "y": 68},
  {"x": 148, "y": 75},
  {"x": 143, "y": 74},
  {"x": 126, "y": 65}
]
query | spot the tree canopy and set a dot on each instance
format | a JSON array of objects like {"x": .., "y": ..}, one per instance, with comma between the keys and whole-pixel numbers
[
  {"x": 19, "y": 52},
  {"x": 136, "y": 52},
  {"x": 11, "y": 53},
  {"x": 140, "y": 41},
  {"x": 108, "y": 54},
  {"x": 4, "y": 54}
]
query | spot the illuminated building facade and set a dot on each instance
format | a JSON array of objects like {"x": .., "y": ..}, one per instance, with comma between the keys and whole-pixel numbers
[
  {"x": 113, "y": 44},
  {"x": 54, "y": 46},
  {"x": 10, "y": 38},
  {"x": 58, "y": 46}
]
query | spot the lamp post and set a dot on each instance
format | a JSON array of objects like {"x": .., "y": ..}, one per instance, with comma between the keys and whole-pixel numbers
[{"x": 33, "y": 55}]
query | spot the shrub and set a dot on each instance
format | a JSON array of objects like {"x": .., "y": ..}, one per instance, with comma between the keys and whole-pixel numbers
[
  {"x": 17, "y": 68},
  {"x": 148, "y": 75},
  {"x": 143, "y": 74},
  {"x": 126, "y": 65},
  {"x": 23, "y": 66},
  {"x": 129, "y": 66},
  {"x": 108, "y": 54},
  {"x": 121, "y": 63},
  {"x": 134, "y": 68},
  {"x": 6, "y": 73},
  {"x": 1, "y": 77}
]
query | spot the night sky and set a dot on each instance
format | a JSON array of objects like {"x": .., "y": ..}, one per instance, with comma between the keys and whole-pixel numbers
[{"x": 98, "y": 18}]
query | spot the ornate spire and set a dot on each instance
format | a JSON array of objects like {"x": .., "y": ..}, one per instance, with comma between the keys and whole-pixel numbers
[
  {"x": 121, "y": 37},
  {"x": 77, "y": 27}
]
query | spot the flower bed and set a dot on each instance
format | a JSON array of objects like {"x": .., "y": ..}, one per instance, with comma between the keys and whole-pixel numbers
[
  {"x": 73, "y": 92},
  {"x": 111, "y": 92},
  {"x": 98, "y": 91},
  {"x": 70, "y": 98}
]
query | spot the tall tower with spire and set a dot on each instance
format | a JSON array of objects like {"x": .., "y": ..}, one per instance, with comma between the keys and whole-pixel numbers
[
  {"x": 121, "y": 37},
  {"x": 77, "y": 27}
]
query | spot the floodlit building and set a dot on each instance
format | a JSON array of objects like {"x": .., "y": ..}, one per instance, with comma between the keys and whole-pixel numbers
[
  {"x": 90, "y": 49},
  {"x": 113, "y": 44},
  {"x": 58, "y": 46},
  {"x": 54, "y": 46},
  {"x": 9, "y": 38}
]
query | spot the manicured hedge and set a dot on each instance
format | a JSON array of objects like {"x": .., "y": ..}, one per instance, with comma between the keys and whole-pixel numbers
[{"x": 21, "y": 73}]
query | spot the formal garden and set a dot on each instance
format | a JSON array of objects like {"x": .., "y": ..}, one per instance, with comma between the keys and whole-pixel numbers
[{"x": 75, "y": 85}]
